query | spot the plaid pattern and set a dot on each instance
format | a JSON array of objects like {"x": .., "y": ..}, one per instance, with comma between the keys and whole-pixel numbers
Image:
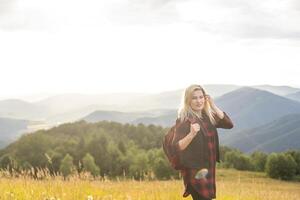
[{"x": 207, "y": 187}]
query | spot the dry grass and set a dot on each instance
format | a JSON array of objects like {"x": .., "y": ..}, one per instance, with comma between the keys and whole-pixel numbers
[{"x": 231, "y": 185}]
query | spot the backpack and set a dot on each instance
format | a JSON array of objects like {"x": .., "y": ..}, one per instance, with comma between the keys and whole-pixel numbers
[{"x": 170, "y": 150}]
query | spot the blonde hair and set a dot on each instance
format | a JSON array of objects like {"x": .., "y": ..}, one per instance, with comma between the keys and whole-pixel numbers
[{"x": 185, "y": 111}]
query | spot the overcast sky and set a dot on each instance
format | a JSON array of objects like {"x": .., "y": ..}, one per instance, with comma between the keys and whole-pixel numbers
[{"x": 93, "y": 46}]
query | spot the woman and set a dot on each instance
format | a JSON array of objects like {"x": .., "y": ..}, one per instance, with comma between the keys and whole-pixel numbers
[{"x": 196, "y": 142}]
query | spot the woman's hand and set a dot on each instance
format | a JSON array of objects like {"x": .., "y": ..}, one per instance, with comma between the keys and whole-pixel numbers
[
  {"x": 184, "y": 142},
  {"x": 212, "y": 104},
  {"x": 194, "y": 129},
  {"x": 210, "y": 101}
]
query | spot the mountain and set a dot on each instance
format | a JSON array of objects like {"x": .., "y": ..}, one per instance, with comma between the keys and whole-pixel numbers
[
  {"x": 279, "y": 90},
  {"x": 294, "y": 96},
  {"x": 124, "y": 102},
  {"x": 73, "y": 115},
  {"x": 114, "y": 146},
  {"x": 112, "y": 116},
  {"x": 123, "y": 117},
  {"x": 249, "y": 107},
  {"x": 217, "y": 90},
  {"x": 18, "y": 109},
  {"x": 67, "y": 107},
  {"x": 71, "y": 107},
  {"x": 11, "y": 129},
  {"x": 279, "y": 135},
  {"x": 172, "y": 99},
  {"x": 132, "y": 108},
  {"x": 69, "y": 102},
  {"x": 165, "y": 120}
]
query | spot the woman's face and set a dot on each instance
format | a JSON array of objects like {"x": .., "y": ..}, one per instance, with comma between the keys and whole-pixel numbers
[{"x": 198, "y": 100}]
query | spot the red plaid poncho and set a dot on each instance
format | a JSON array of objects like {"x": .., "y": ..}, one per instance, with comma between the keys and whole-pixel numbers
[{"x": 210, "y": 146}]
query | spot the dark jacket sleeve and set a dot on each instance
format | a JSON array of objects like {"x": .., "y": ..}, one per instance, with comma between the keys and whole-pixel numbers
[
  {"x": 181, "y": 130},
  {"x": 225, "y": 123}
]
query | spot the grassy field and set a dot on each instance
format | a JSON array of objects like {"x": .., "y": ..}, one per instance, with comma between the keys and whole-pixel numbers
[{"x": 231, "y": 185}]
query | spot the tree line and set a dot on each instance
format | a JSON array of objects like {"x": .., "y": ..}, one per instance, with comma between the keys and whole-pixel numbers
[{"x": 122, "y": 150}]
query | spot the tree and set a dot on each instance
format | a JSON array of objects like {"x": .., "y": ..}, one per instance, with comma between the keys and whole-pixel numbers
[
  {"x": 7, "y": 162},
  {"x": 54, "y": 160},
  {"x": 98, "y": 149},
  {"x": 296, "y": 155},
  {"x": 163, "y": 170},
  {"x": 122, "y": 147},
  {"x": 32, "y": 148},
  {"x": 66, "y": 166},
  {"x": 89, "y": 165},
  {"x": 139, "y": 165},
  {"x": 223, "y": 151},
  {"x": 281, "y": 166},
  {"x": 259, "y": 160},
  {"x": 238, "y": 161},
  {"x": 114, "y": 160}
]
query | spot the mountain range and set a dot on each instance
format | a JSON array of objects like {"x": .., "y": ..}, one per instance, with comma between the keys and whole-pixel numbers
[
  {"x": 9, "y": 126},
  {"x": 278, "y": 135},
  {"x": 250, "y": 108}
]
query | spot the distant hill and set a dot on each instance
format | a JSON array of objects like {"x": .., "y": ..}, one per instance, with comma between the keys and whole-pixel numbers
[
  {"x": 217, "y": 90},
  {"x": 294, "y": 96},
  {"x": 73, "y": 115},
  {"x": 247, "y": 106},
  {"x": 279, "y": 135},
  {"x": 131, "y": 107},
  {"x": 279, "y": 90},
  {"x": 11, "y": 129},
  {"x": 125, "y": 102},
  {"x": 172, "y": 99},
  {"x": 14, "y": 108},
  {"x": 70, "y": 107},
  {"x": 166, "y": 102},
  {"x": 147, "y": 117},
  {"x": 112, "y": 116},
  {"x": 69, "y": 102},
  {"x": 166, "y": 119},
  {"x": 250, "y": 107},
  {"x": 115, "y": 147}
]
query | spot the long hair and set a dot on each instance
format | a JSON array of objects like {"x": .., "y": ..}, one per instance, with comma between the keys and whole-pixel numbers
[{"x": 185, "y": 109}]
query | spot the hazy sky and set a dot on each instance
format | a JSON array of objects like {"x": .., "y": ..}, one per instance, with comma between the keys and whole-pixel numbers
[{"x": 94, "y": 46}]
